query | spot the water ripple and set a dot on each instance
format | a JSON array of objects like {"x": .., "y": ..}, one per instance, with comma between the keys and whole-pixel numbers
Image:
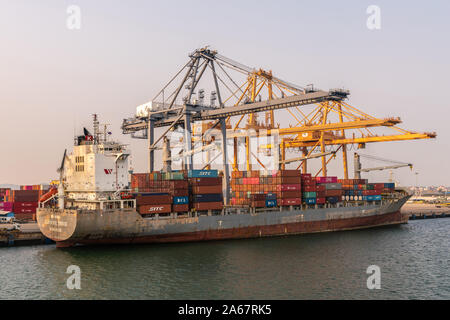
[{"x": 413, "y": 258}]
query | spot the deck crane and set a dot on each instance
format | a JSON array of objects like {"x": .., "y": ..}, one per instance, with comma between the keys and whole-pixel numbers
[{"x": 358, "y": 169}]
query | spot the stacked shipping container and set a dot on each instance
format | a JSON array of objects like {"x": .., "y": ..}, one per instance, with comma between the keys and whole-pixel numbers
[
  {"x": 331, "y": 190},
  {"x": 35, "y": 187},
  {"x": 160, "y": 192},
  {"x": 266, "y": 188},
  {"x": 361, "y": 190},
  {"x": 206, "y": 190},
  {"x": 289, "y": 187},
  {"x": 5, "y": 206},
  {"x": 22, "y": 202},
  {"x": 177, "y": 191},
  {"x": 310, "y": 190}
]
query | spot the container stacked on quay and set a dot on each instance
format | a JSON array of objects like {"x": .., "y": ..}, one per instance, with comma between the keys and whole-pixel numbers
[
  {"x": 98, "y": 205},
  {"x": 6, "y": 214},
  {"x": 22, "y": 204}
]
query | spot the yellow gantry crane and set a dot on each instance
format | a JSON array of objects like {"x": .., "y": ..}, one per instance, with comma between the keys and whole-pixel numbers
[
  {"x": 319, "y": 129},
  {"x": 325, "y": 125},
  {"x": 322, "y": 122}
]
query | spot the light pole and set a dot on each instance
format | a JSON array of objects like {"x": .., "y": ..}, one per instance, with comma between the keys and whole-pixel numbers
[{"x": 417, "y": 187}]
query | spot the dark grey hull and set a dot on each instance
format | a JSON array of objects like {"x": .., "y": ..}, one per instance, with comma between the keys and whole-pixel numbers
[{"x": 71, "y": 227}]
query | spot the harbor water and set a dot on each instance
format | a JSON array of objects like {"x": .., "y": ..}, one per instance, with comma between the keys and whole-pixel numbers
[{"x": 414, "y": 262}]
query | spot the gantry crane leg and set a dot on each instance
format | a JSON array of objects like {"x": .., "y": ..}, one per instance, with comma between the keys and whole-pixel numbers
[
  {"x": 304, "y": 164},
  {"x": 235, "y": 154},
  {"x": 322, "y": 140},
  {"x": 150, "y": 137}
]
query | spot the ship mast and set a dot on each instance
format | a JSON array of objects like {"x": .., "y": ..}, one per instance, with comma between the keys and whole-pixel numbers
[{"x": 96, "y": 129}]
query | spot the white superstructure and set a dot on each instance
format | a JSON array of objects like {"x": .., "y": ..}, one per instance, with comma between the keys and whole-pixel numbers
[{"x": 97, "y": 169}]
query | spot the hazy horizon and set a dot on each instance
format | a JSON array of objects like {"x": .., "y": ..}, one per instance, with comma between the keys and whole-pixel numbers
[{"x": 54, "y": 78}]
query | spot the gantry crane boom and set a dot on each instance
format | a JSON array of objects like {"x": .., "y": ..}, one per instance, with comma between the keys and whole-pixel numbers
[{"x": 358, "y": 169}]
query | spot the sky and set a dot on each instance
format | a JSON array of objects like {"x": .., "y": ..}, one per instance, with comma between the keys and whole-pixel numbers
[{"x": 53, "y": 78}]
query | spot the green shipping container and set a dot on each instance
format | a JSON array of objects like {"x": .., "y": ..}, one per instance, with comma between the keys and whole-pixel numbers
[
  {"x": 309, "y": 194},
  {"x": 173, "y": 176}
]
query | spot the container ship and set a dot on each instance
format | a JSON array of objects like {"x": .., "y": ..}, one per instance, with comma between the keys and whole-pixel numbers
[{"x": 100, "y": 201}]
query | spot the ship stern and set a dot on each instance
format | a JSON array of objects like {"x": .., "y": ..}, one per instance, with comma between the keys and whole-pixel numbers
[{"x": 57, "y": 225}]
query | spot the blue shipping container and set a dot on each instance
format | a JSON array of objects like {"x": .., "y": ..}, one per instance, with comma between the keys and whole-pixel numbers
[
  {"x": 333, "y": 199},
  {"x": 203, "y": 173},
  {"x": 216, "y": 197},
  {"x": 180, "y": 200},
  {"x": 389, "y": 185},
  {"x": 310, "y": 200},
  {"x": 271, "y": 196},
  {"x": 372, "y": 198},
  {"x": 271, "y": 203}
]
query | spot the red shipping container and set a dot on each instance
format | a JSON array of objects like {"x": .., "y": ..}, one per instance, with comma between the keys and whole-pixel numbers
[
  {"x": 202, "y": 206},
  {"x": 285, "y": 173},
  {"x": 24, "y": 210},
  {"x": 288, "y": 180},
  {"x": 206, "y": 181},
  {"x": 258, "y": 197},
  {"x": 307, "y": 188},
  {"x": 152, "y": 209},
  {"x": 321, "y": 187},
  {"x": 320, "y": 200},
  {"x": 25, "y": 205},
  {"x": 289, "y": 187},
  {"x": 6, "y": 206},
  {"x": 178, "y": 184},
  {"x": 258, "y": 204},
  {"x": 326, "y": 179},
  {"x": 320, "y": 194},
  {"x": 180, "y": 207},
  {"x": 333, "y": 193},
  {"x": 153, "y": 199},
  {"x": 26, "y": 195},
  {"x": 289, "y": 194},
  {"x": 311, "y": 183},
  {"x": 180, "y": 192},
  {"x": 291, "y": 202},
  {"x": 207, "y": 189}
]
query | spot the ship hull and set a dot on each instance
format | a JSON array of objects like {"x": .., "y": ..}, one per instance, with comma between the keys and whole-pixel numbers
[{"x": 75, "y": 227}]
